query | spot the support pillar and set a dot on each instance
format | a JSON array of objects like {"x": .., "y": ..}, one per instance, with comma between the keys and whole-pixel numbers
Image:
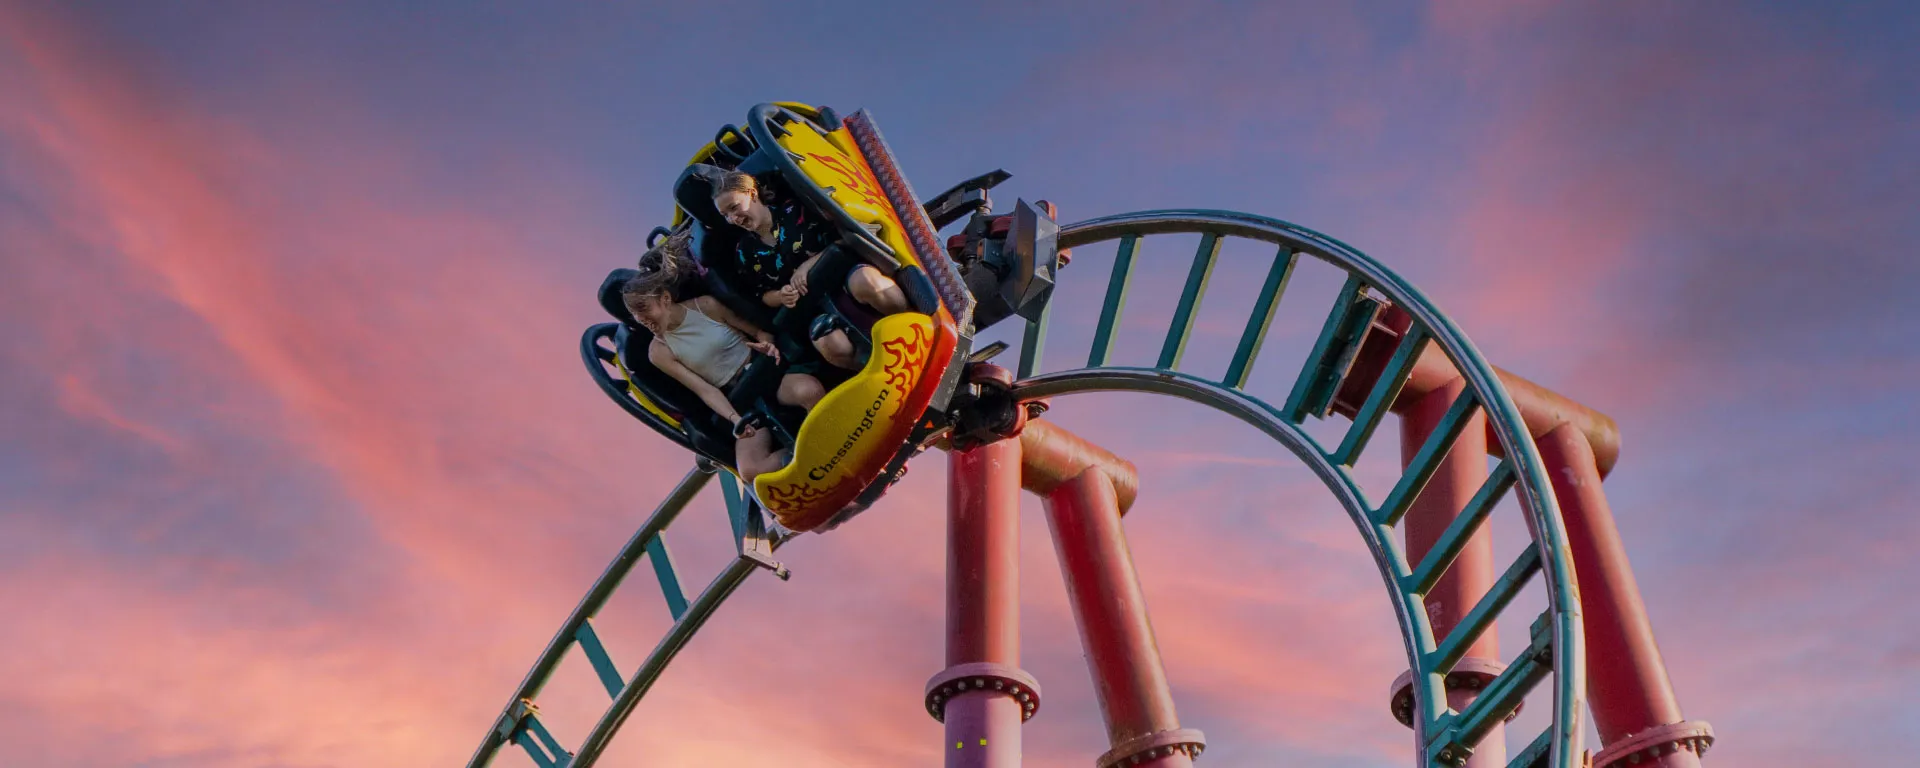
[
  {"x": 1633, "y": 705},
  {"x": 983, "y": 696},
  {"x": 1459, "y": 476},
  {"x": 1142, "y": 726}
]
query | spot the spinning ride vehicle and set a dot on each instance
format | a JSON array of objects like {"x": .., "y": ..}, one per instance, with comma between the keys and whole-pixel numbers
[{"x": 913, "y": 386}]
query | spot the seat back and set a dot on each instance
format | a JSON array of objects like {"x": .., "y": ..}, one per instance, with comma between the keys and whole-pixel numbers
[
  {"x": 610, "y": 296},
  {"x": 632, "y": 341},
  {"x": 713, "y": 248},
  {"x": 693, "y": 192},
  {"x": 706, "y": 430}
]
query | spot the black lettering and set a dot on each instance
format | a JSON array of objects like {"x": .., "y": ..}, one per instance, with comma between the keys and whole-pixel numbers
[{"x": 873, "y": 411}]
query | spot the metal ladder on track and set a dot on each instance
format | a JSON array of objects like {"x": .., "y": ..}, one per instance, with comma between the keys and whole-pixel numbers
[
  {"x": 1448, "y": 737},
  {"x": 1555, "y": 648},
  {"x": 519, "y": 723}
]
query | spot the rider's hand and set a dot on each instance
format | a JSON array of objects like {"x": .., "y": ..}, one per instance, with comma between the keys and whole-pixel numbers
[
  {"x": 800, "y": 275},
  {"x": 765, "y": 347},
  {"x": 789, "y": 296}
]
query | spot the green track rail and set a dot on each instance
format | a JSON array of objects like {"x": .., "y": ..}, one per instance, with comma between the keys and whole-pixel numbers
[
  {"x": 1555, "y": 649},
  {"x": 1553, "y": 658},
  {"x": 519, "y": 723}
]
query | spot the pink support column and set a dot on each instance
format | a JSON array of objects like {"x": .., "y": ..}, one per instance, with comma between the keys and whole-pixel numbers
[
  {"x": 1632, "y": 700},
  {"x": 1084, "y": 514},
  {"x": 1460, "y": 475},
  {"x": 983, "y": 696}
]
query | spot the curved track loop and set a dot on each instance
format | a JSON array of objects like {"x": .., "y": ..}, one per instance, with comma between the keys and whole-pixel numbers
[
  {"x": 1557, "y": 636},
  {"x": 1447, "y": 736}
]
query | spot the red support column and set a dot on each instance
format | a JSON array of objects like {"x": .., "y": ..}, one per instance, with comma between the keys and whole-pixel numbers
[
  {"x": 983, "y": 696},
  {"x": 1633, "y": 705},
  {"x": 1627, "y": 688},
  {"x": 1084, "y": 514},
  {"x": 1051, "y": 455},
  {"x": 1453, "y": 485}
]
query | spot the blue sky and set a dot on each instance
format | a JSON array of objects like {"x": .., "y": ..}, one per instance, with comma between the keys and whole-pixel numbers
[{"x": 290, "y": 403}]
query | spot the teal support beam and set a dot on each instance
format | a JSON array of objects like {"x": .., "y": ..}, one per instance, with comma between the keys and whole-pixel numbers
[{"x": 1116, "y": 301}]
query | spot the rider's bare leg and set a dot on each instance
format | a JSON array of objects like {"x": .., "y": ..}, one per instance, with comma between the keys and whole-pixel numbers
[
  {"x": 876, "y": 290},
  {"x": 837, "y": 349},
  {"x": 754, "y": 454},
  {"x": 802, "y": 391}
]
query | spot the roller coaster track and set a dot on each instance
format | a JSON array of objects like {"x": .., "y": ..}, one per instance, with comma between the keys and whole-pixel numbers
[{"x": 1553, "y": 660}]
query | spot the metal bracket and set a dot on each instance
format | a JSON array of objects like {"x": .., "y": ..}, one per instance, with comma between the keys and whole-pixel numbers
[
  {"x": 1009, "y": 263},
  {"x": 510, "y": 720},
  {"x": 985, "y": 408},
  {"x": 1446, "y": 742},
  {"x": 752, "y": 543},
  {"x": 988, "y": 352},
  {"x": 757, "y": 545},
  {"x": 966, "y": 197}
]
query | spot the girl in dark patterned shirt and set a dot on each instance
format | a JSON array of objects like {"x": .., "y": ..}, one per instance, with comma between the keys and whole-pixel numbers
[{"x": 784, "y": 240}]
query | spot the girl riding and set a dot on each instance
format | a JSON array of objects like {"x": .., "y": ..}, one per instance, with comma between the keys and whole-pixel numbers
[
  {"x": 706, "y": 347},
  {"x": 783, "y": 243}
]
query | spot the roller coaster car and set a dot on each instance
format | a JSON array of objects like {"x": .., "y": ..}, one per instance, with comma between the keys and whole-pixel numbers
[
  {"x": 858, "y": 435},
  {"x": 856, "y": 441}
]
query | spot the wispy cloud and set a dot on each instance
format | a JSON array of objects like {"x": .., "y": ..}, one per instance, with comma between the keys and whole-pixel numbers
[{"x": 299, "y": 467}]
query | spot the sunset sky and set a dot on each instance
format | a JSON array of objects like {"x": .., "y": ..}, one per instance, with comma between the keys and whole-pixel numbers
[{"x": 299, "y": 466}]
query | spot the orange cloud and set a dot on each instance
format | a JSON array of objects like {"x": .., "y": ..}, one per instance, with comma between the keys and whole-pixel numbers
[{"x": 413, "y": 349}]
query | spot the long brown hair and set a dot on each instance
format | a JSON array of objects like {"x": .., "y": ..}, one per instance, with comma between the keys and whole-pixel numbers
[{"x": 661, "y": 268}]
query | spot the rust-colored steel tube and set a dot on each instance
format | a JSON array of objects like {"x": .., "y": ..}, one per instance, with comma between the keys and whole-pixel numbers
[
  {"x": 1051, "y": 455},
  {"x": 1454, "y": 483},
  {"x": 1542, "y": 408},
  {"x": 1142, "y": 726},
  {"x": 983, "y": 603},
  {"x": 1632, "y": 699},
  {"x": 983, "y": 555},
  {"x": 1627, "y": 685}
]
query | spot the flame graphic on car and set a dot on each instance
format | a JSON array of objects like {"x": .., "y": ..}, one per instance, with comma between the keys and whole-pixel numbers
[{"x": 907, "y": 354}]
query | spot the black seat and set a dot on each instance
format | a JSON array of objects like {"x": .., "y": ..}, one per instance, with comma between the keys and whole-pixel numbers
[
  {"x": 719, "y": 273},
  {"x": 693, "y": 192},
  {"x": 610, "y": 299},
  {"x": 706, "y": 430},
  {"x": 756, "y": 392},
  {"x": 713, "y": 240}
]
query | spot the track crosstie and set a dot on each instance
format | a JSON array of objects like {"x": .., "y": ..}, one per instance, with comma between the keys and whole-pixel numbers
[{"x": 1554, "y": 656}]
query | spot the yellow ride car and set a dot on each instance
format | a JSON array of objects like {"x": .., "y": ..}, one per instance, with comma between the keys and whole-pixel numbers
[{"x": 857, "y": 438}]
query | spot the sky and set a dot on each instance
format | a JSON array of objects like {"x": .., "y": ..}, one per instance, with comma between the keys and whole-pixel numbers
[{"x": 299, "y": 467}]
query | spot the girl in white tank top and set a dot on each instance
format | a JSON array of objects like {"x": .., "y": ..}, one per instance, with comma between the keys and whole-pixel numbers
[
  {"x": 705, "y": 346},
  {"x": 709, "y": 348}
]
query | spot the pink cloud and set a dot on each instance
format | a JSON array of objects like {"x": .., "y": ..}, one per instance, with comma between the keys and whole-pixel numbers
[
  {"x": 416, "y": 350},
  {"x": 83, "y": 402}
]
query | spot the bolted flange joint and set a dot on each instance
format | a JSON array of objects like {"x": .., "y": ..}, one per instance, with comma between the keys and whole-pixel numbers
[
  {"x": 1647, "y": 746},
  {"x": 1188, "y": 741},
  {"x": 1471, "y": 673},
  {"x": 1454, "y": 755},
  {"x": 1012, "y": 682}
]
